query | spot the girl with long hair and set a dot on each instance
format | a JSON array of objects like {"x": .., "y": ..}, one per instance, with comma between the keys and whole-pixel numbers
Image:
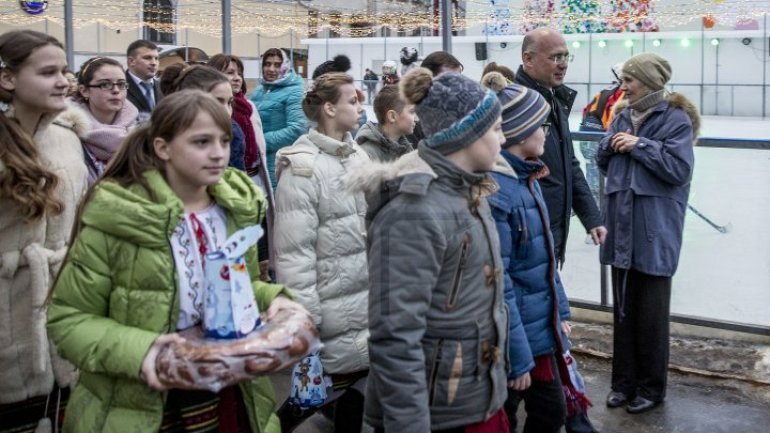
[
  {"x": 42, "y": 178},
  {"x": 133, "y": 276}
]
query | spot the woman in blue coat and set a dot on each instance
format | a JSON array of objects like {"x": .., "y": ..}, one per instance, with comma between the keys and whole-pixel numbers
[
  {"x": 647, "y": 156},
  {"x": 537, "y": 304},
  {"x": 279, "y": 102}
]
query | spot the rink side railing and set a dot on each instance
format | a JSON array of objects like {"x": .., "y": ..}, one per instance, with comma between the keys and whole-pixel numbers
[{"x": 605, "y": 292}]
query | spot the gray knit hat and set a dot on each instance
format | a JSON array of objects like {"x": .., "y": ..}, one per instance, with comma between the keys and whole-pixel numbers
[
  {"x": 651, "y": 69},
  {"x": 454, "y": 110},
  {"x": 524, "y": 109}
]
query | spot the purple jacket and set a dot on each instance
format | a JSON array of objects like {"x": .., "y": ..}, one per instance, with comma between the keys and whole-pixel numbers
[{"x": 647, "y": 189}]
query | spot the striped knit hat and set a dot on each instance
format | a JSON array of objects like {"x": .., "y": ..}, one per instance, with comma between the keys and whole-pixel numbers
[
  {"x": 454, "y": 110},
  {"x": 524, "y": 109}
]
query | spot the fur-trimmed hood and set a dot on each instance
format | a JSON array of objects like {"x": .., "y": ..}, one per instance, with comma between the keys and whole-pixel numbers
[
  {"x": 369, "y": 176},
  {"x": 676, "y": 100}
]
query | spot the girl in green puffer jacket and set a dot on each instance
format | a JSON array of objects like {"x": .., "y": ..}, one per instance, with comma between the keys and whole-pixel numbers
[{"x": 133, "y": 276}]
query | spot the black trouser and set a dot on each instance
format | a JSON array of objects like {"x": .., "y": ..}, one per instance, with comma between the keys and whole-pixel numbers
[
  {"x": 640, "y": 343},
  {"x": 544, "y": 403},
  {"x": 348, "y": 413}
]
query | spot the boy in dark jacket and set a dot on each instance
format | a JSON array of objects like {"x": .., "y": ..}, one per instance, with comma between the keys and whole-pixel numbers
[
  {"x": 437, "y": 318},
  {"x": 532, "y": 284}
]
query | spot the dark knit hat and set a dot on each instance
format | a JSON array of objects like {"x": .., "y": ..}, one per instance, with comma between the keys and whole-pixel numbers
[
  {"x": 651, "y": 69},
  {"x": 454, "y": 110},
  {"x": 341, "y": 63},
  {"x": 524, "y": 110}
]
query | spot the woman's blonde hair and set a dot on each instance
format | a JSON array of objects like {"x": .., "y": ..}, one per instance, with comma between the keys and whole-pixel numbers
[
  {"x": 25, "y": 180},
  {"x": 326, "y": 88}
]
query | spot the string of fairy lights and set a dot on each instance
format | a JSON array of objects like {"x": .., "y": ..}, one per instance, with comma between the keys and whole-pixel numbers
[{"x": 278, "y": 17}]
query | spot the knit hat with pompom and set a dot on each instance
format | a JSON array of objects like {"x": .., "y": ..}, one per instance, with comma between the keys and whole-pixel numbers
[{"x": 454, "y": 110}]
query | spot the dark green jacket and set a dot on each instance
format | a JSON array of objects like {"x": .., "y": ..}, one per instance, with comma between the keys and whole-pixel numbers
[{"x": 117, "y": 292}]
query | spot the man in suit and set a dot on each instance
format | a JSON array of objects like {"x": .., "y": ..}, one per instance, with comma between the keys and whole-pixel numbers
[{"x": 143, "y": 88}]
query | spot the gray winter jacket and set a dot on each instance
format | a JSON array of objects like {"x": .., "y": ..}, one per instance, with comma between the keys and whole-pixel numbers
[
  {"x": 437, "y": 319},
  {"x": 378, "y": 146}
]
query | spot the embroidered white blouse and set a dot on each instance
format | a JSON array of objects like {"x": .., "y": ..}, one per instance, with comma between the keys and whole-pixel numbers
[{"x": 195, "y": 235}]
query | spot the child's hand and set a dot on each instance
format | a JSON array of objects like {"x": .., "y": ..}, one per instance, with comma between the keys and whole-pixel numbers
[
  {"x": 282, "y": 303},
  {"x": 149, "y": 372},
  {"x": 520, "y": 383},
  {"x": 566, "y": 328}
]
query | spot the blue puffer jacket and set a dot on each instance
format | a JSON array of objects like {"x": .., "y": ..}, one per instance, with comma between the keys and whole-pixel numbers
[
  {"x": 280, "y": 108},
  {"x": 531, "y": 277}
]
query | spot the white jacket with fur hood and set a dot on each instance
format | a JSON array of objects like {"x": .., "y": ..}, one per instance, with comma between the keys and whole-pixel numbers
[
  {"x": 320, "y": 247},
  {"x": 30, "y": 257}
]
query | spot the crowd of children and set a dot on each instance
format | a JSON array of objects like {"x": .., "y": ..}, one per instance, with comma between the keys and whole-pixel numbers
[{"x": 429, "y": 267}]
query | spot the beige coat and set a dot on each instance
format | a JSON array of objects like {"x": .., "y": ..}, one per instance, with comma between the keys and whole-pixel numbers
[
  {"x": 30, "y": 257},
  {"x": 320, "y": 244}
]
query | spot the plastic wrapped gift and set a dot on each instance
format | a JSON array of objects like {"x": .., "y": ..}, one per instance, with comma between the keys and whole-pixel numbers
[
  {"x": 200, "y": 363},
  {"x": 230, "y": 310}
]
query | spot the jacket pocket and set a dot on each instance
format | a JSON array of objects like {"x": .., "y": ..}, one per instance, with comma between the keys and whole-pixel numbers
[
  {"x": 454, "y": 290},
  {"x": 446, "y": 373},
  {"x": 433, "y": 376}
]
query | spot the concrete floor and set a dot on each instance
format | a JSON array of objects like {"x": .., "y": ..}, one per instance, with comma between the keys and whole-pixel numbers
[{"x": 693, "y": 404}]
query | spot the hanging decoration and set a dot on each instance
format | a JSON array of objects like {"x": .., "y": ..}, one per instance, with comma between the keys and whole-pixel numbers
[
  {"x": 272, "y": 18},
  {"x": 34, "y": 8},
  {"x": 537, "y": 13},
  {"x": 631, "y": 16},
  {"x": 582, "y": 16},
  {"x": 709, "y": 21},
  {"x": 500, "y": 20}
]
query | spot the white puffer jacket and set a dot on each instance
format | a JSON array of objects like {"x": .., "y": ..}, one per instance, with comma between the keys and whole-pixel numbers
[{"x": 320, "y": 248}]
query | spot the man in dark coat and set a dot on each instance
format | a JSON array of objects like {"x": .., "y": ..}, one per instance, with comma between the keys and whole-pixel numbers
[
  {"x": 544, "y": 65},
  {"x": 143, "y": 89}
]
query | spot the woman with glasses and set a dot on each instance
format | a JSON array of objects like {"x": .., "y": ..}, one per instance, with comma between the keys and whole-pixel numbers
[{"x": 101, "y": 94}]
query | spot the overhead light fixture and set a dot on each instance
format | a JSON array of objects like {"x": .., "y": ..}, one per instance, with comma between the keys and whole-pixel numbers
[
  {"x": 629, "y": 43},
  {"x": 656, "y": 42},
  {"x": 576, "y": 44},
  {"x": 685, "y": 42},
  {"x": 715, "y": 42},
  {"x": 602, "y": 44},
  {"x": 746, "y": 41}
]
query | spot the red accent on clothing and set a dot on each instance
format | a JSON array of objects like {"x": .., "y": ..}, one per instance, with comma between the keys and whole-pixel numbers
[
  {"x": 200, "y": 237},
  {"x": 542, "y": 371},
  {"x": 497, "y": 423},
  {"x": 242, "y": 111}
]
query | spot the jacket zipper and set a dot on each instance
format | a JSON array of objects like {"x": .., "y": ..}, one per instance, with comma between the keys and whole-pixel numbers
[
  {"x": 458, "y": 276},
  {"x": 434, "y": 371}
]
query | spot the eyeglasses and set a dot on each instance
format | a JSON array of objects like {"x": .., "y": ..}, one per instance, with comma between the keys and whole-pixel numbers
[
  {"x": 546, "y": 127},
  {"x": 109, "y": 85},
  {"x": 561, "y": 59}
]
